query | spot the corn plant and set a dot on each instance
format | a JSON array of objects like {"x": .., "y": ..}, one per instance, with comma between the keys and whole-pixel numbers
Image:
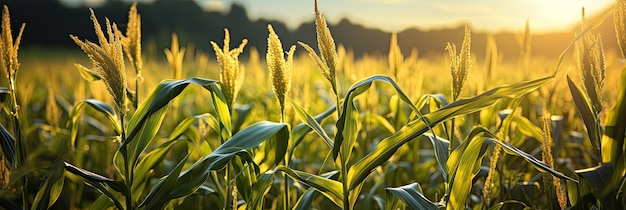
[{"x": 601, "y": 186}]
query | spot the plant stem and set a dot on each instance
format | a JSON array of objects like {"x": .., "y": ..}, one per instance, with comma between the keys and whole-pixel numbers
[
  {"x": 128, "y": 166},
  {"x": 136, "y": 101},
  {"x": 346, "y": 193},
  {"x": 451, "y": 137}
]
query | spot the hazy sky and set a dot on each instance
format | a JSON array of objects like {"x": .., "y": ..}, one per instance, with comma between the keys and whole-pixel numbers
[{"x": 396, "y": 15}]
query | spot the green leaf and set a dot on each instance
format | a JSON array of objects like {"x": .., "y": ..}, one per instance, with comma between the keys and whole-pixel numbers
[
  {"x": 242, "y": 112},
  {"x": 598, "y": 179},
  {"x": 613, "y": 146},
  {"x": 440, "y": 147},
  {"x": 51, "y": 189},
  {"x": 413, "y": 196},
  {"x": 187, "y": 122},
  {"x": 306, "y": 200},
  {"x": 251, "y": 137},
  {"x": 313, "y": 123},
  {"x": 98, "y": 182},
  {"x": 98, "y": 106},
  {"x": 388, "y": 146},
  {"x": 301, "y": 130},
  {"x": 87, "y": 73},
  {"x": 463, "y": 164},
  {"x": 221, "y": 108},
  {"x": 158, "y": 197},
  {"x": 147, "y": 163},
  {"x": 192, "y": 178},
  {"x": 538, "y": 164},
  {"x": 509, "y": 205},
  {"x": 347, "y": 127},
  {"x": 525, "y": 126},
  {"x": 147, "y": 119},
  {"x": 259, "y": 189},
  {"x": 332, "y": 189},
  {"x": 8, "y": 145},
  {"x": 590, "y": 118}
]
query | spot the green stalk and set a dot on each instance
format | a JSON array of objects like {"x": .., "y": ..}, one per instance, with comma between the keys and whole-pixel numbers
[
  {"x": 129, "y": 168},
  {"x": 136, "y": 101},
  {"x": 286, "y": 199},
  {"x": 346, "y": 193},
  {"x": 17, "y": 131},
  {"x": 451, "y": 137}
]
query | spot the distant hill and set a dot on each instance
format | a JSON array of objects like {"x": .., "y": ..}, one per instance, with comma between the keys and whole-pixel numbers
[{"x": 48, "y": 23}]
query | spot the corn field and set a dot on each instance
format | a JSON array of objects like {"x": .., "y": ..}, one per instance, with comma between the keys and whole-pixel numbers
[{"x": 310, "y": 126}]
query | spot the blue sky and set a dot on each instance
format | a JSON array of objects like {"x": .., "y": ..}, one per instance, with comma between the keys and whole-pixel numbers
[{"x": 396, "y": 15}]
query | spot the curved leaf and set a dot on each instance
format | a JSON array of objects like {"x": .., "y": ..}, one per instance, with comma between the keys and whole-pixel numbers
[
  {"x": 347, "y": 126},
  {"x": 51, "y": 189},
  {"x": 147, "y": 119},
  {"x": 251, "y": 137},
  {"x": 8, "y": 145},
  {"x": 158, "y": 197},
  {"x": 98, "y": 106},
  {"x": 299, "y": 132},
  {"x": 98, "y": 182},
  {"x": 413, "y": 196},
  {"x": 589, "y": 117},
  {"x": 538, "y": 164},
  {"x": 192, "y": 178},
  {"x": 306, "y": 200},
  {"x": 470, "y": 154},
  {"x": 332, "y": 189},
  {"x": 259, "y": 189},
  {"x": 313, "y": 123},
  {"x": 387, "y": 147}
]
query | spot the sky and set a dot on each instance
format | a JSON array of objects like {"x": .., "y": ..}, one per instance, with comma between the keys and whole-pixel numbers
[{"x": 397, "y": 15}]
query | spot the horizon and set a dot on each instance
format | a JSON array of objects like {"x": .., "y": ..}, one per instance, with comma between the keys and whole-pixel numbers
[{"x": 490, "y": 16}]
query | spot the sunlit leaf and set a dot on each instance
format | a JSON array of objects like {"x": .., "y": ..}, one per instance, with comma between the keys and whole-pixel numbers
[
  {"x": 388, "y": 146},
  {"x": 158, "y": 196},
  {"x": 332, "y": 189},
  {"x": 588, "y": 115},
  {"x": 413, "y": 196}
]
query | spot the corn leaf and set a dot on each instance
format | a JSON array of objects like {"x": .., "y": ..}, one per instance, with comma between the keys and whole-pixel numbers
[
  {"x": 311, "y": 122},
  {"x": 146, "y": 121},
  {"x": 51, "y": 188},
  {"x": 182, "y": 127},
  {"x": 613, "y": 146},
  {"x": 192, "y": 178},
  {"x": 301, "y": 130},
  {"x": 10, "y": 202},
  {"x": 347, "y": 126},
  {"x": 332, "y": 189},
  {"x": 463, "y": 164},
  {"x": 388, "y": 146},
  {"x": 440, "y": 147},
  {"x": 259, "y": 189},
  {"x": 588, "y": 115},
  {"x": 251, "y": 137},
  {"x": 221, "y": 109},
  {"x": 147, "y": 163},
  {"x": 158, "y": 197},
  {"x": 413, "y": 196},
  {"x": 538, "y": 164},
  {"x": 242, "y": 111},
  {"x": 306, "y": 200},
  {"x": 87, "y": 73},
  {"x": 99, "y": 181},
  {"x": 598, "y": 178},
  {"x": 98, "y": 106},
  {"x": 8, "y": 145},
  {"x": 525, "y": 126}
]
